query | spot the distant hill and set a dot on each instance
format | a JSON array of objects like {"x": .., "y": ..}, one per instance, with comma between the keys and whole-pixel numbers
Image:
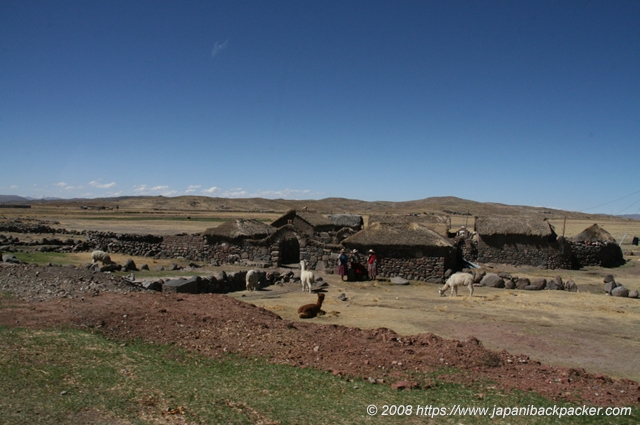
[
  {"x": 12, "y": 198},
  {"x": 631, "y": 216},
  {"x": 447, "y": 205}
]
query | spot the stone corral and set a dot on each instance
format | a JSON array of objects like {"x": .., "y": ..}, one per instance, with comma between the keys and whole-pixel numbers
[{"x": 596, "y": 254}]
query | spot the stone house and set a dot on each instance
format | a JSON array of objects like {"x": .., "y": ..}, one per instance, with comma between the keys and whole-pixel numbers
[
  {"x": 307, "y": 222},
  {"x": 409, "y": 250},
  {"x": 525, "y": 241},
  {"x": 594, "y": 246},
  {"x": 353, "y": 221},
  {"x": 437, "y": 223}
]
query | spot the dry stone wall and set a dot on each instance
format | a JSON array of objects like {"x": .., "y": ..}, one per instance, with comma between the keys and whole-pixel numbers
[{"x": 596, "y": 254}]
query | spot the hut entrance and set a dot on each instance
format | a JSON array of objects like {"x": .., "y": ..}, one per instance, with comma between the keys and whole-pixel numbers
[{"x": 290, "y": 250}]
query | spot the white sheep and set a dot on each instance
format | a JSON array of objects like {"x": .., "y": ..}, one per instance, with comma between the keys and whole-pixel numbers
[
  {"x": 253, "y": 279},
  {"x": 457, "y": 279},
  {"x": 306, "y": 277},
  {"x": 101, "y": 256}
]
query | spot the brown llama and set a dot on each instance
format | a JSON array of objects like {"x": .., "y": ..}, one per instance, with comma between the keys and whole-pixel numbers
[{"x": 309, "y": 311}]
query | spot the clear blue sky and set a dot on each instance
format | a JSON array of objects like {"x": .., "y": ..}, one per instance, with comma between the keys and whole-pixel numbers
[{"x": 517, "y": 102}]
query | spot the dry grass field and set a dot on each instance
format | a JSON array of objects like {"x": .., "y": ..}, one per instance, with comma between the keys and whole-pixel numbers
[{"x": 587, "y": 329}]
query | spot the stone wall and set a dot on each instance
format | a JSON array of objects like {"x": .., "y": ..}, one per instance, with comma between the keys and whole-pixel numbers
[
  {"x": 596, "y": 254},
  {"x": 426, "y": 269},
  {"x": 521, "y": 251}
]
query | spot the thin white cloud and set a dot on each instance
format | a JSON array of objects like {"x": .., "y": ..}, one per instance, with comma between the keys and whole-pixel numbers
[
  {"x": 211, "y": 190},
  {"x": 192, "y": 188},
  {"x": 284, "y": 194},
  {"x": 97, "y": 184},
  {"x": 13, "y": 186},
  {"x": 143, "y": 189},
  {"x": 218, "y": 47},
  {"x": 61, "y": 184}
]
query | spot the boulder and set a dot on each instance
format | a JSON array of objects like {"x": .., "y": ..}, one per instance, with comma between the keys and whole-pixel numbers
[
  {"x": 113, "y": 267},
  {"x": 570, "y": 286},
  {"x": 130, "y": 266},
  {"x": 509, "y": 284},
  {"x": 541, "y": 283},
  {"x": 492, "y": 280},
  {"x": 533, "y": 288},
  {"x": 633, "y": 293},
  {"x": 478, "y": 275},
  {"x": 153, "y": 285},
  {"x": 559, "y": 283},
  {"x": 523, "y": 282},
  {"x": 399, "y": 281},
  {"x": 10, "y": 258},
  {"x": 609, "y": 278},
  {"x": 609, "y": 286},
  {"x": 620, "y": 291},
  {"x": 552, "y": 285},
  {"x": 182, "y": 286},
  {"x": 144, "y": 267}
]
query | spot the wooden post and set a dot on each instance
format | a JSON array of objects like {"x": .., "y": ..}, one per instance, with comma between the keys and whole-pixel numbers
[{"x": 564, "y": 224}]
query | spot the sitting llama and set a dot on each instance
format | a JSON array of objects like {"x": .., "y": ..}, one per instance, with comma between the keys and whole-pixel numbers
[
  {"x": 309, "y": 311},
  {"x": 101, "y": 256},
  {"x": 306, "y": 277},
  {"x": 253, "y": 280},
  {"x": 457, "y": 279}
]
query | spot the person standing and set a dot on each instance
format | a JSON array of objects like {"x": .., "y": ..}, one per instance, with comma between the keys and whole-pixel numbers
[
  {"x": 343, "y": 264},
  {"x": 372, "y": 264}
]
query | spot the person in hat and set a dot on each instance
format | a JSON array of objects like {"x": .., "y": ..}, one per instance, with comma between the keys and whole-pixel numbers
[
  {"x": 343, "y": 264},
  {"x": 359, "y": 271},
  {"x": 372, "y": 264}
]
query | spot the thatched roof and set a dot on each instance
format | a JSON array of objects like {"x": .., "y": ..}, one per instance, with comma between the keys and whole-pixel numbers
[
  {"x": 397, "y": 235},
  {"x": 594, "y": 233},
  {"x": 488, "y": 226},
  {"x": 407, "y": 218},
  {"x": 438, "y": 223},
  {"x": 240, "y": 229},
  {"x": 313, "y": 218},
  {"x": 346, "y": 220}
]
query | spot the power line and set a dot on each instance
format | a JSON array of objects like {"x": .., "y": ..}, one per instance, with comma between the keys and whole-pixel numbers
[
  {"x": 607, "y": 203},
  {"x": 627, "y": 207}
]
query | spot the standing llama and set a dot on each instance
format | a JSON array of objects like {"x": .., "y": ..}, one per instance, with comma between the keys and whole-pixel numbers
[
  {"x": 309, "y": 311},
  {"x": 457, "y": 279},
  {"x": 306, "y": 277}
]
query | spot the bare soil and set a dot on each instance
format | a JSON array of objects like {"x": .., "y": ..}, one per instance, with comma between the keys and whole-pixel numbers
[{"x": 350, "y": 340}]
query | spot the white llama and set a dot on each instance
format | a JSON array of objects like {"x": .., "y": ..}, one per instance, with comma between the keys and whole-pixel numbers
[{"x": 306, "y": 277}]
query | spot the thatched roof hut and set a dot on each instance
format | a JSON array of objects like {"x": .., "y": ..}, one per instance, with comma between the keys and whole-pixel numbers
[
  {"x": 594, "y": 233},
  {"x": 380, "y": 236},
  {"x": 353, "y": 221},
  {"x": 438, "y": 223},
  {"x": 493, "y": 226},
  {"x": 306, "y": 221},
  {"x": 239, "y": 229}
]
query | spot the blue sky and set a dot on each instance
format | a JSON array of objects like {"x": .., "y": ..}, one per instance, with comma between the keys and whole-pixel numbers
[{"x": 517, "y": 102}]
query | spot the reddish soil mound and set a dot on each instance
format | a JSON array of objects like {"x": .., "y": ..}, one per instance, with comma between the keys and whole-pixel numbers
[{"x": 215, "y": 324}]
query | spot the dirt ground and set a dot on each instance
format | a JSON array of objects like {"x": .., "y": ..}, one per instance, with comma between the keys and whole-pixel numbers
[{"x": 355, "y": 337}]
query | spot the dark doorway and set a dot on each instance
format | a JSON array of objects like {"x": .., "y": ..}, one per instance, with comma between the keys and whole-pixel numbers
[{"x": 290, "y": 251}]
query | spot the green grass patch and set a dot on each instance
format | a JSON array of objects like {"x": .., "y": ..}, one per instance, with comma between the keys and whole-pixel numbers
[
  {"x": 70, "y": 376},
  {"x": 42, "y": 258}
]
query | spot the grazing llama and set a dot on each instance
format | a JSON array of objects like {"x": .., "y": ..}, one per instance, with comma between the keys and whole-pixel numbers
[
  {"x": 306, "y": 277},
  {"x": 253, "y": 280},
  {"x": 309, "y": 311},
  {"x": 457, "y": 279},
  {"x": 101, "y": 256}
]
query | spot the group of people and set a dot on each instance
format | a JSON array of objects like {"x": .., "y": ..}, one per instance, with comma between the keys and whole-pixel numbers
[{"x": 359, "y": 271}]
